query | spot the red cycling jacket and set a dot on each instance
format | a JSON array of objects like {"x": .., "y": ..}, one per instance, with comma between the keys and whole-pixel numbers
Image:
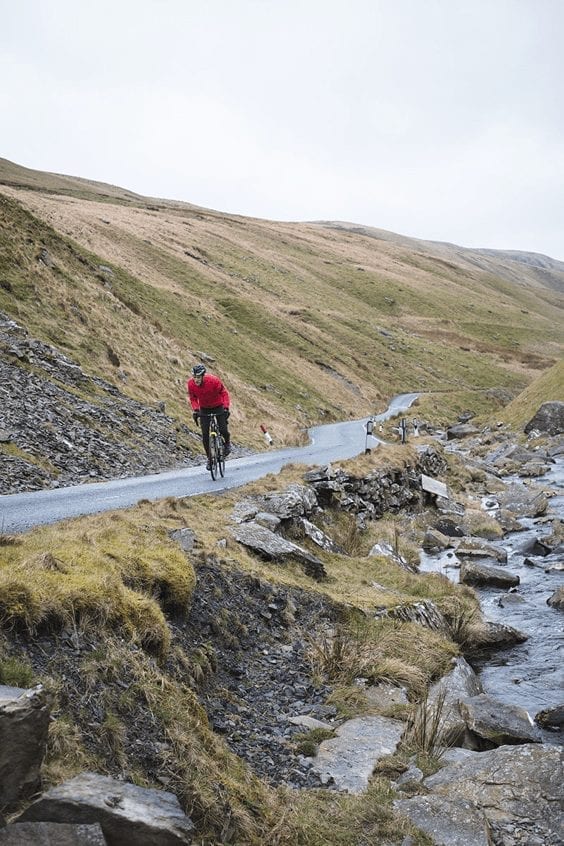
[{"x": 209, "y": 394}]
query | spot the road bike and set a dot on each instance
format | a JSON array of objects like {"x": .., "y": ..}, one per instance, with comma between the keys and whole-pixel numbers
[{"x": 217, "y": 449}]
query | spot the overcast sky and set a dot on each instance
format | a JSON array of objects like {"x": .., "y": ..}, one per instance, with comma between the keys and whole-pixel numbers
[{"x": 439, "y": 119}]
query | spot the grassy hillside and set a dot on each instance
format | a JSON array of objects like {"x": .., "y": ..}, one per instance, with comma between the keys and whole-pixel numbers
[
  {"x": 305, "y": 322},
  {"x": 548, "y": 386}
]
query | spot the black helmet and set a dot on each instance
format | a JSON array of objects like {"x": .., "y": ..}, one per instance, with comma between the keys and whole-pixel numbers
[{"x": 198, "y": 370}]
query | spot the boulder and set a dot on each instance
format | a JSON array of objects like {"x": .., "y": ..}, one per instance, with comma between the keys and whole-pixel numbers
[
  {"x": 424, "y": 612},
  {"x": 386, "y": 551},
  {"x": 461, "y": 683},
  {"x": 51, "y": 834},
  {"x": 348, "y": 759},
  {"x": 474, "y": 573},
  {"x": 498, "y": 722},
  {"x": 295, "y": 501},
  {"x": 447, "y": 822},
  {"x": 383, "y": 696},
  {"x": 127, "y": 813},
  {"x": 435, "y": 540},
  {"x": 522, "y": 501},
  {"x": 319, "y": 537},
  {"x": 549, "y": 419},
  {"x": 274, "y": 547},
  {"x": 185, "y": 538},
  {"x": 24, "y": 722},
  {"x": 490, "y": 797},
  {"x": 490, "y": 635},
  {"x": 461, "y": 430},
  {"x": 469, "y": 547}
]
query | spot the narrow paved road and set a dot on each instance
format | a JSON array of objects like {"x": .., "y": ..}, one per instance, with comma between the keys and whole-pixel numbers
[{"x": 22, "y": 511}]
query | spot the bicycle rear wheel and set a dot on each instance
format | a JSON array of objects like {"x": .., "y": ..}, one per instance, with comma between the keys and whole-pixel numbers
[{"x": 214, "y": 459}]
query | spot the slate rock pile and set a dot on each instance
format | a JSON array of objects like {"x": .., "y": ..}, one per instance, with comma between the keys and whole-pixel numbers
[
  {"x": 59, "y": 426},
  {"x": 262, "y": 679}
]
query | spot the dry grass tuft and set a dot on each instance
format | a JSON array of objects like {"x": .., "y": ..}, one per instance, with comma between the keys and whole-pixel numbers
[
  {"x": 404, "y": 654},
  {"x": 426, "y": 734},
  {"x": 9, "y": 540}
]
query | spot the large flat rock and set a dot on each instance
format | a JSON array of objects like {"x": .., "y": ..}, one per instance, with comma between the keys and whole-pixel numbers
[
  {"x": 488, "y": 797},
  {"x": 350, "y": 757},
  {"x": 136, "y": 816}
]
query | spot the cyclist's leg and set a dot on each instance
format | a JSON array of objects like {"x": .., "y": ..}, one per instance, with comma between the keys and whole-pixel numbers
[{"x": 224, "y": 430}]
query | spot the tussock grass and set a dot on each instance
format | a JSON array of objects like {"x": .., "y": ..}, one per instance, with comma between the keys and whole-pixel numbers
[
  {"x": 481, "y": 525},
  {"x": 66, "y": 755},
  {"x": 106, "y": 571},
  {"x": 404, "y": 654},
  {"x": 15, "y": 671},
  {"x": 317, "y": 818},
  {"x": 427, "y": 732}
]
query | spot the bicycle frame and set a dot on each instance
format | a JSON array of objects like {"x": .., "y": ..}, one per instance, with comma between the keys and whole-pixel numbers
[{"x": 216, "y": 448}]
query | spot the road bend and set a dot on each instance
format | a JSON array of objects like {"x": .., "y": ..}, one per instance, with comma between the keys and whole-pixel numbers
[{"x": 333, "y": 442}]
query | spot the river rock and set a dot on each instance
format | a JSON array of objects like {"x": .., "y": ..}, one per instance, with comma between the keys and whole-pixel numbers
[
  {"x": 446, "y": 694},
  {"x": 523, "y": 502},
  {"x": 127, "y": 813},
  {"x": 51, "y": 834},
  {"x": 461, "y": 430},
  {"x": 490, "y": 635},
  {"x": 435, "y": 540},
  {"x": 508, "y": 521},
  {"x": 551, "y": 718},
  {"x": 557, "y": 599},
  {"x": 348, "y": 759},
  {"x": 474, "y": 573},
  {"x": 469, "y": 547},
  {"x": 498, "y": 722},
  {"x": 509, "y": 795},
  {"x": 24, "y": 722}
]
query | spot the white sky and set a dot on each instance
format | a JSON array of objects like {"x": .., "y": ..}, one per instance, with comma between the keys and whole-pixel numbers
[{"x": 439, "y": 119}]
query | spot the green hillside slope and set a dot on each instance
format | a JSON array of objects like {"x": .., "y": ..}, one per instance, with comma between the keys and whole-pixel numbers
[{"x": 305, "y": 322}]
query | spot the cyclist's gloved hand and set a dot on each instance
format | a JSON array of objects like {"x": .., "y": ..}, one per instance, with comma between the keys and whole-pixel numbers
[
  {"x": 226, "y": 412},
  {"x": 196, "y": 416}
]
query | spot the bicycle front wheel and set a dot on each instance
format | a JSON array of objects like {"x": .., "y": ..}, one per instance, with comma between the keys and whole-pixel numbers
[
  {"x": 221, "y": 456},
  {"x": 214, "y": 458}
]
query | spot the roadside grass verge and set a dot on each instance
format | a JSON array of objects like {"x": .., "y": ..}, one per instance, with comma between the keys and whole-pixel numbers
[{"x": 96, "y": 572}]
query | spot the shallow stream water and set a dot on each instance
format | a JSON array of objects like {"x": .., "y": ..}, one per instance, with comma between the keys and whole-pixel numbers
[{"x": 530, "y": 674}]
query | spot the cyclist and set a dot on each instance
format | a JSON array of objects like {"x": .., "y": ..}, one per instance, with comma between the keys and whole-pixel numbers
[{"x": 207, "y": 394}]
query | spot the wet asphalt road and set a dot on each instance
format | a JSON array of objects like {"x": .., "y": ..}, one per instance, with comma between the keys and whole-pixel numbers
[{"x": 335, "y": 442}]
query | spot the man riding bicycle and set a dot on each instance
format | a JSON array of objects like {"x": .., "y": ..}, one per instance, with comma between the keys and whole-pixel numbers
[{"x": 208, "y": 395}]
